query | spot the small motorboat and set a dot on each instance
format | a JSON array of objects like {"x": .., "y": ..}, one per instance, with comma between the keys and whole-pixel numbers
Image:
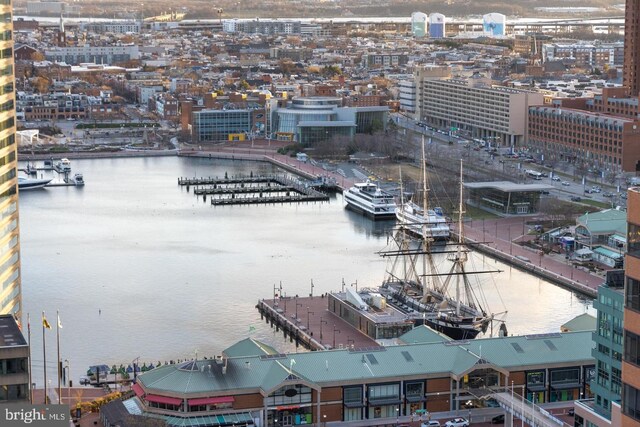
[{"x": 25, "y": 183}]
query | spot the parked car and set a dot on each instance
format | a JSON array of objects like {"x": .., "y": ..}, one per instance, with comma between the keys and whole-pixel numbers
[
  {"x": 457, "y": 422},
  {"x": 432, "y": 423},
  {"x": 84, "y": 381},
  {"x": 566, "y": 183},
  {"x": 555, "y": 178},
  {"x": 498, "y": 419},
  {"x": 576, "y": 199}
]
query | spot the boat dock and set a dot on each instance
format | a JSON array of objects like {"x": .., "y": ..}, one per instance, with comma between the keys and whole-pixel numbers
[
  {"x": 253, "y": 190},
  {"x": 309, "y": 323}
]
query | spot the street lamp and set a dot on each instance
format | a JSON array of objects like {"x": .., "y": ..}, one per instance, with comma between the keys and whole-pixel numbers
[
  {"x": 321, "y": 322},
  {"x": 356, "y": 285},
  {"x": 308, "y": 316},
  {"x": 334, "y": 334},
  {"x": 311, "y": 294},
  {"x": 297, "y": 305},
  {"x": 68, "y": 367}
]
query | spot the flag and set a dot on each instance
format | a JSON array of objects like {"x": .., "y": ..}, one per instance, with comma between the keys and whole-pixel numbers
[
  {"x": 45, "y": 323},
  {"x": 59, "y": 322}
]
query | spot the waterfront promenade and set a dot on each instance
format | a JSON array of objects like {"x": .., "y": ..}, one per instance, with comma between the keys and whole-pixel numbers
[{"x": 499, "y": 238}]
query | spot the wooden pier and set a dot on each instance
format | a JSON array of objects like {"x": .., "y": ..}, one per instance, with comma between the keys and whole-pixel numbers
[
  {"x": 246, "y": 190},
  {"x": 313, "y": 326}
]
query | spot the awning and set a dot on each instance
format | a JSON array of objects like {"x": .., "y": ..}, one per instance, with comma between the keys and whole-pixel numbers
[
  {"x": 384, "y": 402},
  {"x": 211, "y": 400},
  {"x": 163, "y": 399},
  {"x": 565, "y": 386},
  {"x": 137, "y": 390},
  {"x": 352, "y": 405},
  {"x": 536, "y": 387},
  {"x": 413, "y": 399}
]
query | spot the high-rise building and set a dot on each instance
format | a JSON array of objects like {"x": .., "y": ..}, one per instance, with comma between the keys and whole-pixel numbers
[
  {"x": 631, "y": 346},
  {"x": 631, "y": 74},
  {"x": 10, "y": 291}
]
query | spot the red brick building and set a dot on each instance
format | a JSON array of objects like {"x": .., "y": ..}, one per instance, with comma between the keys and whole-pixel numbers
[{"x": 600, "y": 141}]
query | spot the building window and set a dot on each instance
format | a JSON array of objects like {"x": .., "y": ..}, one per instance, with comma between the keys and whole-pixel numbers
[
  {"x": 632, "y": 294},
  {"x": 631, "y": 402},
  {"x": 631, "y": 348}
]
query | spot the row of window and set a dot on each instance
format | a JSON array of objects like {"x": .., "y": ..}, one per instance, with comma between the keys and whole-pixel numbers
[{"x": 631, "y": 348}]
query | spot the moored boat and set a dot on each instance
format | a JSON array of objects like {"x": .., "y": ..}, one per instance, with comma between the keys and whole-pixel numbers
[
  {"x": 25, "y": 183},
  {"x": 369, "y": 199},
  {"x": 451, "y": 301}
]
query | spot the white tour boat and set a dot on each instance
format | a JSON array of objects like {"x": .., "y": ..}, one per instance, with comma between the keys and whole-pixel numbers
[{"x": 369, "y": 199}]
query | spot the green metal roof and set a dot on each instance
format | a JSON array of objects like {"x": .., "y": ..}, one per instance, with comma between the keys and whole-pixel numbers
[
  {"x": 607, "y": 221},
  {"x": 248, "y": 347},
  {"x": 254, "y": 373},
  {"x": 422, "y": 334},
  {"x": 583, "y": 322}
]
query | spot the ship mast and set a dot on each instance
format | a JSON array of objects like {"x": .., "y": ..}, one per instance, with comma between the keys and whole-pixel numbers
[
  {"x": 425, "y": 207},
  {"x": 460, "y": 261}
]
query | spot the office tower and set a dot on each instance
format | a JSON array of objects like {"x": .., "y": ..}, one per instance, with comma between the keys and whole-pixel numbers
[{"x": 10, "y": 290}]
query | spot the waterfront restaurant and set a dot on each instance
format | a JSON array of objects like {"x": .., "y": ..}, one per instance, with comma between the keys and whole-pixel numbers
[
  {"x": 504, "y": 197},
  {"x": 252, "y": 384}
]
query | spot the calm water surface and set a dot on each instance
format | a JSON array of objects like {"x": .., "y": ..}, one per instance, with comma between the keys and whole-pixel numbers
[{"x": 138, "y": 266}]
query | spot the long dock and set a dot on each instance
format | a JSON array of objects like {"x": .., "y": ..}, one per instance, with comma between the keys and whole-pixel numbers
[
  {"x": 245, "y": 190},
  {"x": 308, "y": 322}
]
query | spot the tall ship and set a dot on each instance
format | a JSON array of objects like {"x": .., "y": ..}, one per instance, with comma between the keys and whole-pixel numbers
[
  {"x": 421, "y": 220},
  {"x": 369, "y": 199},
  {"x": 435, "y": 283}
]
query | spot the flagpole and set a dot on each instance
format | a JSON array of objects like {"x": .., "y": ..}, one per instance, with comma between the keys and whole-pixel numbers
[
  {"x": 59, "y": 362},
  {"x": 29, "y": 336},
  {"x": 44, "y": 356}
]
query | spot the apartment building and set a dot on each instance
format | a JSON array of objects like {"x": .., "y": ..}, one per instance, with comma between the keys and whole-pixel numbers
[
  {"x": 475, "y": 107},
  {"x": 598, "y": 141}
]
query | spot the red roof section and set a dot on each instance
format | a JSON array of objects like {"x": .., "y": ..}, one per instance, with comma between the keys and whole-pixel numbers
[{"x": 163, "y": 399}]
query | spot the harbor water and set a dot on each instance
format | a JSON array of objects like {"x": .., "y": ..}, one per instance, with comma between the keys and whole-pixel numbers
[{"x": 140, "y": 267}]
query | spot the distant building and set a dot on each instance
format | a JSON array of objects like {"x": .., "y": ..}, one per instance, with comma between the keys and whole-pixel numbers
[
  {"x": 437, "y": 26},
  {"x": 112, "y": 27},
  {"x": 380, "y": 60},
  {"x": 407, "y": 96},
  {"x": 631, "y": 69},
  {"x": 74, "y": 55},
  {"x": 418, "y": 24},
  {"x": 599, "y": 55},
  {"x": 261, "y": 26}
]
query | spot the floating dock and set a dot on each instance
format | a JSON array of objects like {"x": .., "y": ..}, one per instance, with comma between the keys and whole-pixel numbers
[{"x": 253, "y": 190}]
